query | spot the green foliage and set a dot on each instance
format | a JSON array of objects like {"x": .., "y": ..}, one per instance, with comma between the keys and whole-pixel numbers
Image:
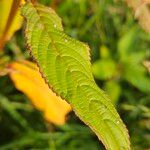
[
  {"x": 102, "y": 24},
  {"x": 113, "y": 89},
  {"x": 104, "y": 69},
  {"x": 65, "y": 64},
  {"x": 128, "y": 66}
]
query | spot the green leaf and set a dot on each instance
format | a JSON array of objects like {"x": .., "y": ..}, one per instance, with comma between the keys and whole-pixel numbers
[
  {"x": 136, "y": 75},
  {"x": 65, "y": 64},
  {"x": 104, "y": 52},
  {"x": 104, "y": 69},
  {"x": 127, "y": 42},
  {"x": 114, "y": 90},
  {"x": 10, "y": 108}
]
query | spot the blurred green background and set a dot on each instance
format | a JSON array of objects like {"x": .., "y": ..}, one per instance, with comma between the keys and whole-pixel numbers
[{"x": 119, "y": 48}]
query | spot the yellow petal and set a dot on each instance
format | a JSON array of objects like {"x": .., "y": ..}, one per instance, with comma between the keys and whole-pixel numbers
[
  {"x": 11, "y": 19},
  {"x": 27, "y": 79}
]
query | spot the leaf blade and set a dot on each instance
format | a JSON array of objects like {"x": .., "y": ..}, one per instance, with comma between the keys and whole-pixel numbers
[{"x": 89, "y": 102}]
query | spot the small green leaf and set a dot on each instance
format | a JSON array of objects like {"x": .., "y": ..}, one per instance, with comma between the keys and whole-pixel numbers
[
  {"x": 136, "y": 75},
  {"x": 126, "y": 43},
  {"x": 104, "y": 69},
  {"x": 104, "y": 52},
  {"x": 65, "y": 64},
  {"x": 114, "y": 90}
]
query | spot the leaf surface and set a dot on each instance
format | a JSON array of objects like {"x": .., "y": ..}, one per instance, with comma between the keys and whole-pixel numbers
[
  {"x": 65, "y": 64},
  {"x": 27, "y": 79}
]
